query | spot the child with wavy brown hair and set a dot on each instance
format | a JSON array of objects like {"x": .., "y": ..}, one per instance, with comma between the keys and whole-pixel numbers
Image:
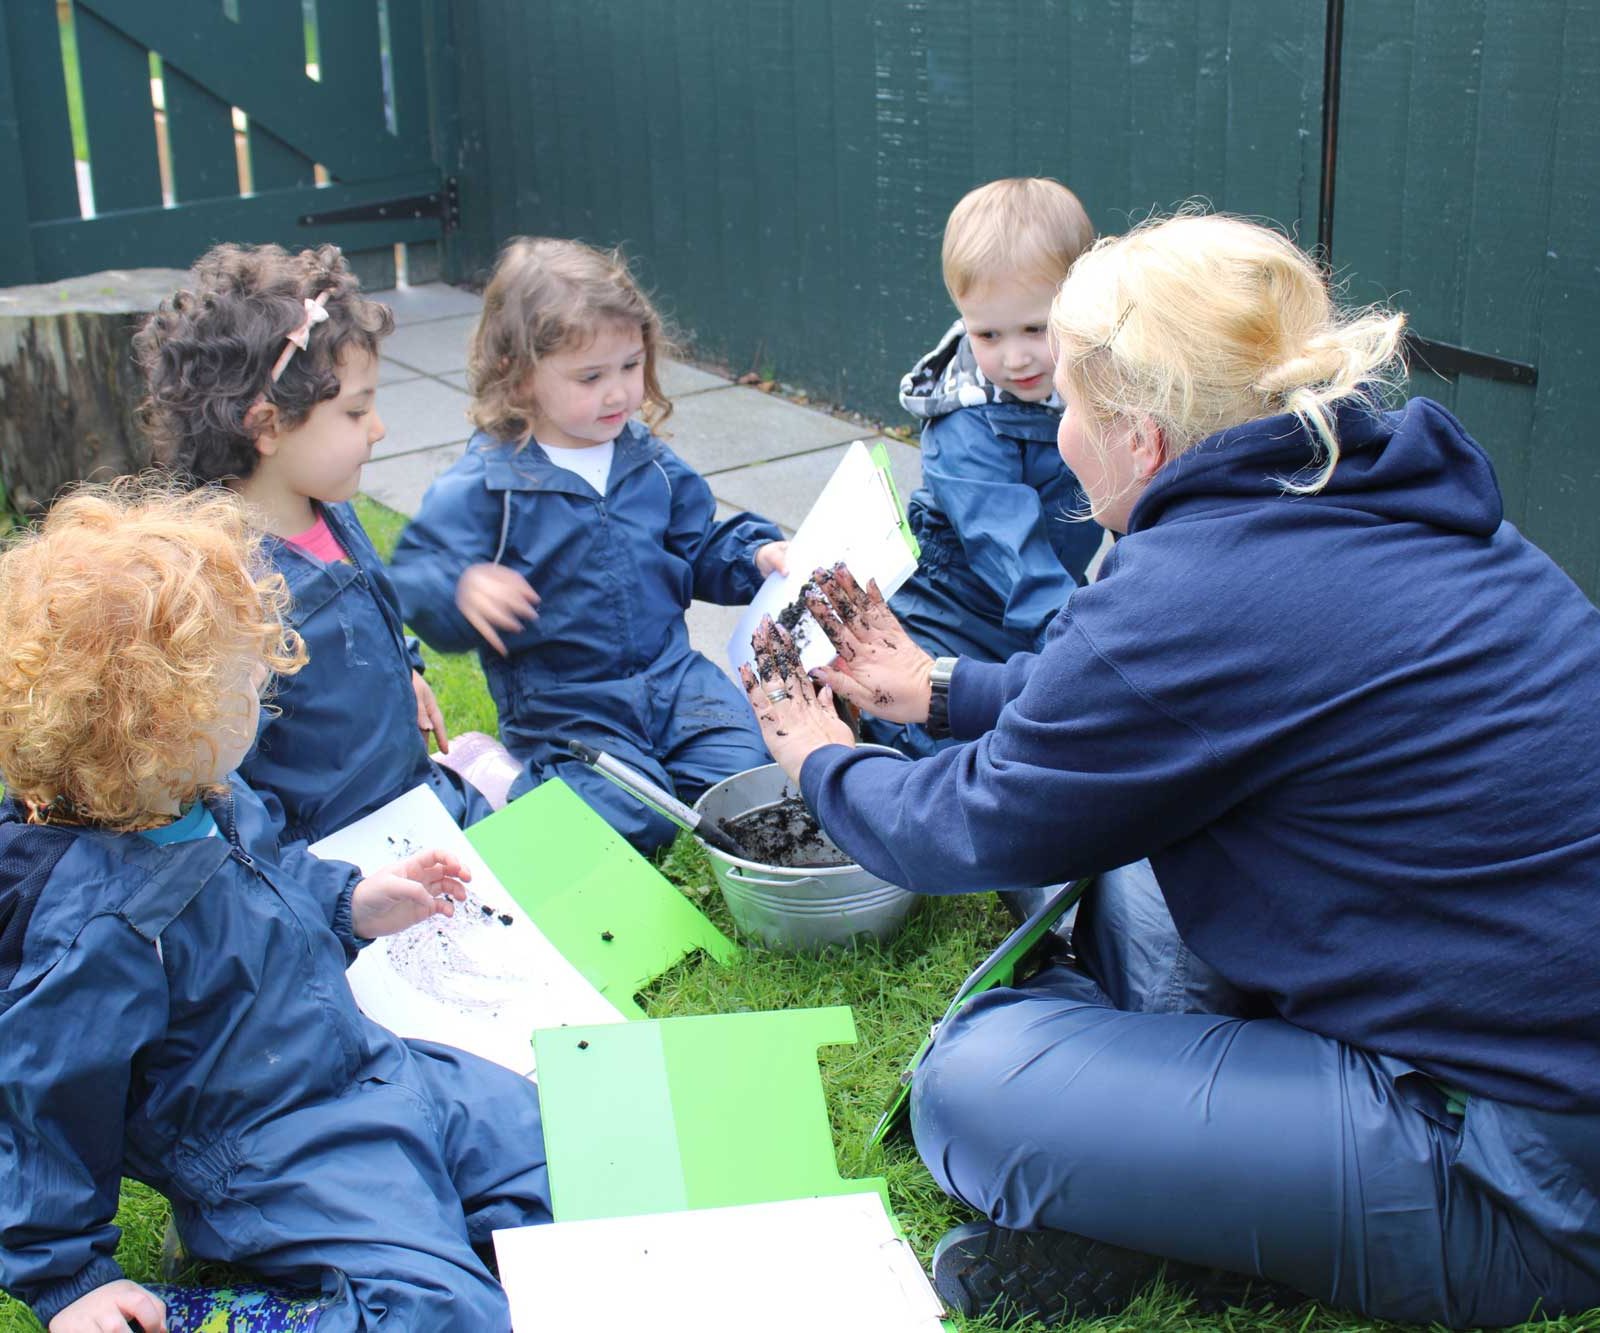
[
  {"x": 173, "y": 1004},
  {"x": 566, "y": 545},
  {"x": 262, "y": 378}
]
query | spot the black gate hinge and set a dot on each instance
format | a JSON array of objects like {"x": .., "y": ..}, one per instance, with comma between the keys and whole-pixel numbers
[
  {"x": 443, "y": 203},
  {"x": 1447, "y": 361}
]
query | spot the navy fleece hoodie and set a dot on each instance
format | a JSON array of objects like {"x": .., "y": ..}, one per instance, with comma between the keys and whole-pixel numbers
[{"x": 1357, "y": 733}]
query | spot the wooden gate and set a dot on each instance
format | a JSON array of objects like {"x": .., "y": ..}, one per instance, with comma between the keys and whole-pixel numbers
[{"x": 188, "y": 122}]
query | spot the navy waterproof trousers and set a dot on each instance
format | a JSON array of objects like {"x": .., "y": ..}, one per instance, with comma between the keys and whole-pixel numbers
[{"x": 1130, "y": 1102}]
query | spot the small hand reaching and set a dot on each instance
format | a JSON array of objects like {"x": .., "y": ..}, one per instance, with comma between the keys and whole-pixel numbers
[
  {"x": 400, "y": 895},
  {"x": 795, "y": 717},
  {"x": 111, "y": 1306},
  {"x": 773, "y": 558},
  {"x": 430, "y": 720},
  {"x": 492, "y": 597},
  {"x": 878, "y": 669}
]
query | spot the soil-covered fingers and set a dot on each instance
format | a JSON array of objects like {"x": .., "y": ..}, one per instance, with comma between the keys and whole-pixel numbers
[{"x": 822, "y": 612}]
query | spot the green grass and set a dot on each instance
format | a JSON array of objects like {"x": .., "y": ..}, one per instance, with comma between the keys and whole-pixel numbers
[{"x": 895, "y": 992}]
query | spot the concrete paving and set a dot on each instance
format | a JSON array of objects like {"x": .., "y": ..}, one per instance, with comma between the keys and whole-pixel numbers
[{"x": 758, "y": 451}]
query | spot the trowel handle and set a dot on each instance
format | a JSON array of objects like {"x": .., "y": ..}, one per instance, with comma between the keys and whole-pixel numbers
[{"x": 657, "y": 798}]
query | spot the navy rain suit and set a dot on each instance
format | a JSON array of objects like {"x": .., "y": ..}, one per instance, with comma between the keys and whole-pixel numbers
[
  {"x": 1355, "y": 733},
  {"x": 179, "y": 1013},
  {"x": 1000, "y": 554},
  {"x": 341, "y": 738},
  {"x": 608, "y": 660}
]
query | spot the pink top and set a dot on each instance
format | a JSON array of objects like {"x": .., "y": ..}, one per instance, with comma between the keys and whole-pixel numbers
[{"x": 318, "y": 540}]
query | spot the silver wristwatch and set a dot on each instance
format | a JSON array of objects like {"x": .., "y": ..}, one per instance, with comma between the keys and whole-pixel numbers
[{"x": 939, "y": 697}]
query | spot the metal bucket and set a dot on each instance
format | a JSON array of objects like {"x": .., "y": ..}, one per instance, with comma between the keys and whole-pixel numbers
[{"x": 797, "y": 909}]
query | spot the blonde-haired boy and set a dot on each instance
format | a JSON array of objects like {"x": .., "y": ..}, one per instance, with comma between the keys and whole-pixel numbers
[{"x": 998, "y": 562}]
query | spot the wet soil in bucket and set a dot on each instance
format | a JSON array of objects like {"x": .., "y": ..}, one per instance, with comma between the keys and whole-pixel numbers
[{"x": 784, "y": 834}]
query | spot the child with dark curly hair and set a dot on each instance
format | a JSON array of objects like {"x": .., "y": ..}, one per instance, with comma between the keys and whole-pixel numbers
[
  {"x": 263, "y": 378},
  {"x": 173, "y": 1005}
]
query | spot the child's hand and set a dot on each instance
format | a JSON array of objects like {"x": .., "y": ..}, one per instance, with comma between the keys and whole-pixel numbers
[
  {"x": 429, "y": 718},
  {"x": 409, "y": 891},
  {"x": 109, "y": 1307},
  {"x": 773, "y": 558},
  {"x": 493, "y": 597}
]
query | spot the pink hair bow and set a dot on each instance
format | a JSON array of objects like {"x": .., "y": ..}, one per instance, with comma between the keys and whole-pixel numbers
[{"x": 297, "y": 339}]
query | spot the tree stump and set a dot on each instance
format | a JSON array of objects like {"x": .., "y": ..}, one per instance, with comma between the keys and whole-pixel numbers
[{"x": 69, "y": 390}]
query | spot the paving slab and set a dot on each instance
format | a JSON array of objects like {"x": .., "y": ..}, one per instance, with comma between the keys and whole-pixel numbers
[
  {"x": 679, "y": 379},
  {"x": 456, "y": 378},
  {"x": 391, "y": 372},
  {"x": 432, "y": 346},
  {"x": 419, "y": 414},
  {"x": 784, "y": 490},
  {"x": 737, "y": 426},
  {"x": 429, "y": 300},
  {"x": 401, "y": 482}
]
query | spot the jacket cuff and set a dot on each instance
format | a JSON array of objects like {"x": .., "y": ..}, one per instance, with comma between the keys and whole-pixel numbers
[
  {"x": 53, "y": 1300},
  {"x": 344, "y": 917},
  {"x": 977, "y": 694},
  {"x": 414, "y": 653}
]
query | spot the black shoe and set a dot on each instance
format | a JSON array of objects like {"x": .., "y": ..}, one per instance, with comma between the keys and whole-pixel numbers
[{"x": 1056, "y": 1276}]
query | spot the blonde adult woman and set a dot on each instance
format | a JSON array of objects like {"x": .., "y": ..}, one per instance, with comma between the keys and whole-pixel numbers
[{"x": 1348, "y": 713}]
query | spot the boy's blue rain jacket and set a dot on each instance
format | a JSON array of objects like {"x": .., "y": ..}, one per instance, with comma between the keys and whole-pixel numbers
[
  {"x": 1355, "y": 732},
  {"x": 1000, "y": 552},
  {"x": 340, "y": 737},
  {"x": 610, "y": 649},
  {"x": 179, "y": 1013}
]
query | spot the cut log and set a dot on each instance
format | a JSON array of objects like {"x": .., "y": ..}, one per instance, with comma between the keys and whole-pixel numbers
[{"x": 69, "y": 390}]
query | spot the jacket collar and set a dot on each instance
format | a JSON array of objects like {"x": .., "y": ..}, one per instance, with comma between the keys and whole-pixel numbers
[{"x": 511, "y": 467}]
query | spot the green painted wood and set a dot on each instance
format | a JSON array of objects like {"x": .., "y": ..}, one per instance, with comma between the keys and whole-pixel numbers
[
  {"x": 16, "y": 245},
  {"x": 118, "y": 115},
  {"x": 172, "y": 237},
  {"x": 1458, "y": 173},
  {"x": 200, "y": 136},
  {"x": 39, "y": 100},
  {"x": 1564, "y": 477},
  {"x": 253, "y": 64},
  {"x": 350, "y": 58}
]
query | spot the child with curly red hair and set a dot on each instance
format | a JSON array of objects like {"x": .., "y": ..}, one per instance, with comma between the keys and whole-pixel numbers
[{"x": 173, "y": 1004}]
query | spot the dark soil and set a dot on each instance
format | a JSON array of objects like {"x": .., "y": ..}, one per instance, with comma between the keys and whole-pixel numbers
[
  {"x": 791, "y": 616},
  {"x": 784, "y": 834}
]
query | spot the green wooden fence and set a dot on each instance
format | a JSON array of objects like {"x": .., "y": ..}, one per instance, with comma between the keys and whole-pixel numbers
[{"x": 250, "y": 137}]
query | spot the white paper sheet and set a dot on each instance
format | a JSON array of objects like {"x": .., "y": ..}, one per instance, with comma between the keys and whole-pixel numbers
[
  {"x": 856, "y": 519},
  {"x": 483, "y": 979},
  {"x": 791, "y": 1267}
]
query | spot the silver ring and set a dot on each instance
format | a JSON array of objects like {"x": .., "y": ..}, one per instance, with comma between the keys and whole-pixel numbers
[{"x": 778, "y": 694}]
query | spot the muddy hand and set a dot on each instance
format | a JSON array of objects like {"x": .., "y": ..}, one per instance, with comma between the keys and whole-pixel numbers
[
  {"x": 879, "y": 669},
  {"x": 795, "y": 717}
]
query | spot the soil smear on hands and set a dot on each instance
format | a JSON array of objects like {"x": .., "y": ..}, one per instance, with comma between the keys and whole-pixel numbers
[{"x": 784, "y": 834}]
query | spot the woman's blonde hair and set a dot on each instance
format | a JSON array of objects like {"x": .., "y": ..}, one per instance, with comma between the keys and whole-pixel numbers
[
  {"x": 1201, "y": 322},
  {"x": 125, "y": 619},
  {"x": 547, "y": 295},
  {"x": 1019, "y": 227}
]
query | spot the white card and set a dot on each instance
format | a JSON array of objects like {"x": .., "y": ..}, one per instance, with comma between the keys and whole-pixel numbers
[
  {"x": 856, "y": 519},
  {"x": 792, "y": 1267},
  {"x": 483, "y": 979}
]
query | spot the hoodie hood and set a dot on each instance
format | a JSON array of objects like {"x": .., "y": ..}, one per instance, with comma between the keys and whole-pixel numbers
[
  {"x": 948, "y": 379},
  {"x": 1413, "y": 465}
]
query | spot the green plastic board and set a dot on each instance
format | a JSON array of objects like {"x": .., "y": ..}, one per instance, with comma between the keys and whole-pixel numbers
[
  {"x": 880, "y": 456},
  {"x": 606, "y": 908},
  {"x": 998, "y": 969},
  {"x": 683, "y": 1113}
]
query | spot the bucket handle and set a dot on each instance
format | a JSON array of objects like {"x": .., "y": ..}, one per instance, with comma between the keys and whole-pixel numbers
[{"x": 745, "y": 877}]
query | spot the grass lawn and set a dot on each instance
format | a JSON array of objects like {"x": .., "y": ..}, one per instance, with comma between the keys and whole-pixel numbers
[{"x": 895, "y": 992}]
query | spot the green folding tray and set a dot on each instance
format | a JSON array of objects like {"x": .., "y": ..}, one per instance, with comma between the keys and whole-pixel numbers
[
  {"x": 680, "y": 1113},
  {"x": 607, "y": 909}
]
